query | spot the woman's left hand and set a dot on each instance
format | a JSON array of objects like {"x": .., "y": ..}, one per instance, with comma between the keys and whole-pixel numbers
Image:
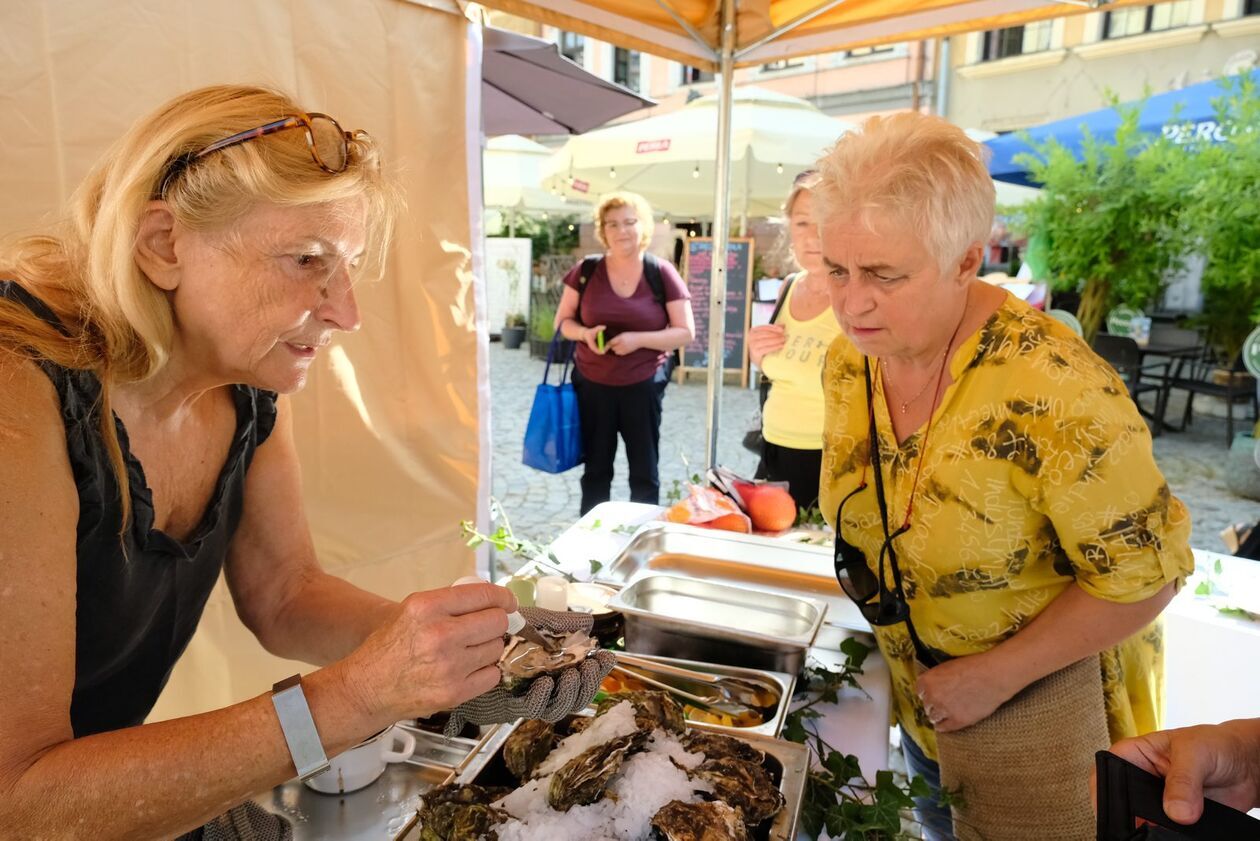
[
  {"x": 958, "y": 693},
  {"x": 625, "y": 343}
]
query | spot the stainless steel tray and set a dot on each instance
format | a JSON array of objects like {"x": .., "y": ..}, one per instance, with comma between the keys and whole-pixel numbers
[
  {"x": 718, "y": 623},
  {"x": 787, "y": 763},
  {"x": 386, "y": 808},
  {"x": 784, "y": 684},
  {"x": 769, "y": 565}
]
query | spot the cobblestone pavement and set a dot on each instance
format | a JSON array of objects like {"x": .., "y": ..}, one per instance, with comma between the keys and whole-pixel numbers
[{"x": 541, "y": 505}]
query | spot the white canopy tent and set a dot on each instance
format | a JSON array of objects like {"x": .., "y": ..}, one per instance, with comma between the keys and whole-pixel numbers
[
  {"x": 671, "y": 159},
  {"x": 511, "y": 168}
]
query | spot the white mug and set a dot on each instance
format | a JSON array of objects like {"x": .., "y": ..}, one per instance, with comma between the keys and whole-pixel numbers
[{"x": 362, "y": 764}]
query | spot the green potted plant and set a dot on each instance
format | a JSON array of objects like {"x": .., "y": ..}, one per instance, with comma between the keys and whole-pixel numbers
[
  {"x": 513, "y": 330},
  {"x": 542, "y": 316},
  {"x": 514, "y": 321},
  {"x": 1223, "y": 217},
  {"x": 1111, "y": 221}
]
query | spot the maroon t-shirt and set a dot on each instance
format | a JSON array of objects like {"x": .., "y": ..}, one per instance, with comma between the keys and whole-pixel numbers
[{"x": 638, "y": 313}]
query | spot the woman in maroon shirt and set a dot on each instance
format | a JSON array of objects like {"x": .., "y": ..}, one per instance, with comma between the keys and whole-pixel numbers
[{"x": 625, "y": 333}]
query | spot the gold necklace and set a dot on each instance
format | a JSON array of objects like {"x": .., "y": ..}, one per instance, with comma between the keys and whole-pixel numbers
[{"x": 906, "y": 405}]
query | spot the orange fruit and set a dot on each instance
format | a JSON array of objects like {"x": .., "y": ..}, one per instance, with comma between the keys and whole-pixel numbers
[
  {"x": 729, "y": 522},
  {"x": 770, "y": 507}
]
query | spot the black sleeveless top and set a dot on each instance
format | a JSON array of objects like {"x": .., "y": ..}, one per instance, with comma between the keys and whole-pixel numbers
[{"x": 137, "y": 610}]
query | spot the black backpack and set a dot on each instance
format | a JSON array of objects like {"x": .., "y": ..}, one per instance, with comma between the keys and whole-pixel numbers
[{"x": 652, "y": 273}]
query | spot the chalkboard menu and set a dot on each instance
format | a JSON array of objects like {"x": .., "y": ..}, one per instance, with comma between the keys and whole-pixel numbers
[{"x": 739, "y": 259}]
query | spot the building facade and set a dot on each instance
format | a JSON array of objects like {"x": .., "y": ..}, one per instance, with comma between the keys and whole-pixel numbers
[{"x": 1020, "y": 77}]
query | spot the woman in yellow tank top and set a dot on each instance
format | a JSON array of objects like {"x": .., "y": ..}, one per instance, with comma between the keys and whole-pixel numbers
[{"x": 790, "y": 353}]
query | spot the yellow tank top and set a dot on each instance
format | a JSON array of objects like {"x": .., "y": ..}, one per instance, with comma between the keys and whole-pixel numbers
[{"x": 793, "y": 415}]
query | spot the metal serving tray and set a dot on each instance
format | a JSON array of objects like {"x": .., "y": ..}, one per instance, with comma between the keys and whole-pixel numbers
[
  {"x": 768, "y": 565},
  {"x": 383, "y": 809},
  {"x": 718, "y": 623},
  {"x": 786, "y": 762},
  {"x": 784, "y": 684}
]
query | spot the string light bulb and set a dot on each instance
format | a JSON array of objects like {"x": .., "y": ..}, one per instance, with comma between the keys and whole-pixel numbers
[
  {"x": 612, "y": 172},
  {"x": 779, "y": 169},
  {"x": 570, "y": 227},
  {"x": 695, "y": 173}
]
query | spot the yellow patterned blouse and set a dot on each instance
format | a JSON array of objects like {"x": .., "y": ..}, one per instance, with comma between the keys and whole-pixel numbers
[{"x": 1039, "y": 472}]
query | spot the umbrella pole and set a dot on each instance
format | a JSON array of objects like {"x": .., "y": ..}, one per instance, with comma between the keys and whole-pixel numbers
[{"x": 721, "y": 234}]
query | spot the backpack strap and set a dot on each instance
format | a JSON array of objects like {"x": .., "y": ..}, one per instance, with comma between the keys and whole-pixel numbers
[
  {"x": 652, "y": 272},
  {"x": 589, "y": 264}
]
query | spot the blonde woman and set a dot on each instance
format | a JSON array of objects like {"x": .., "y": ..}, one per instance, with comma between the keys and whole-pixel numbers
[
  {"x": 145, "y": 447},
  {"x": 790, "y": 353},
  {"x": 628, "y": 312},
  {"x": 980, "y": 460}
]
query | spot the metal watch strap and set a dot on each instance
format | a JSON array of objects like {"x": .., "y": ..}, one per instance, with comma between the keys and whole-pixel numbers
[{"x": 299, "y": 728}]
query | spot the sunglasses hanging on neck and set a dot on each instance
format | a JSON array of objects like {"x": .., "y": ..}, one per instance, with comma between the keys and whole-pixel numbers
[{"x": 880, "y": 604}]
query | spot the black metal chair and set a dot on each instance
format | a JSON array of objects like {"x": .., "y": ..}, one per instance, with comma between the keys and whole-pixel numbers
[
  {"x": 1123, "y": 354},
  {"x": 1212, "y": 375}
]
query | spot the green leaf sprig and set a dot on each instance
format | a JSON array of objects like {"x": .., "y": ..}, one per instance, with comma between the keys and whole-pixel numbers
[
  {"x": 838, "y": 796},
  {"x": 503, "y": 539}
]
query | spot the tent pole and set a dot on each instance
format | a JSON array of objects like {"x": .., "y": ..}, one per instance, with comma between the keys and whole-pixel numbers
[{"x": 721, "y": 234}]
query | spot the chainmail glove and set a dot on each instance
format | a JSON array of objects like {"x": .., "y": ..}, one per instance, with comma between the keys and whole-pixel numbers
[{"x": 547, "y": 697}]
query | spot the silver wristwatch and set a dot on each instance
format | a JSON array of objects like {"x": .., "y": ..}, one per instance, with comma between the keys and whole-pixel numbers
[{"x": 299, "y": 728}]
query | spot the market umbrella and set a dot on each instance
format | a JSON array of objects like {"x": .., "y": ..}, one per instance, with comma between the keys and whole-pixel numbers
[
  {"x": 512, "y": 168},
  {"x": 1008, "y": 194},
  {"x": 670, "y": 159},
  {"x": 527, "y": 87},
  {"x": 1180, "y": 115}
]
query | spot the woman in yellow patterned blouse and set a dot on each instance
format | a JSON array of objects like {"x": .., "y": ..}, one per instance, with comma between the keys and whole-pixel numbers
[{"x": 1030, "y": 525}]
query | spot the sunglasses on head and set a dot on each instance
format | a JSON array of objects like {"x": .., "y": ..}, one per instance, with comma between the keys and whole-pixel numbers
[{"x": 328, "y": 143}]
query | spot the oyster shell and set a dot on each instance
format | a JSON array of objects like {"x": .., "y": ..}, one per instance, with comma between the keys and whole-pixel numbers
[
  {"x": 711, "y": 821},
  {"x": 652, "y": 709},
  {"x": 719, "y": 745},
  {"x": 522, "y": 660},
  {"x": 583, "y": 778},
  {"x": 743, "y": 785},
  {"x": 580, "y": 723},
  {"x": 461, "y": 813},
  {"x": 528, "y": 745}
]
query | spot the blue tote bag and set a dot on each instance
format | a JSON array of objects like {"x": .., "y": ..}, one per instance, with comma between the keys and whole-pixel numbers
[{"x": 553, "y": 436}]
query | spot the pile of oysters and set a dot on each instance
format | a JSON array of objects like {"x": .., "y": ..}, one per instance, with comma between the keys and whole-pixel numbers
[{"x": 739, "y": 795}]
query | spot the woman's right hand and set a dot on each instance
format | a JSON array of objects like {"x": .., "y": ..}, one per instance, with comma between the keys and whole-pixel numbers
[
  {"x": 439, "y": 649},
  {"x": 590, "y": 337},
  {"x": 766, "y": 339}
]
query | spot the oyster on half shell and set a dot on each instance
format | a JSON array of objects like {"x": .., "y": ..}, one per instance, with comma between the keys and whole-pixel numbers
[
  {"x": 652, "y": 709},
  {"x": 582, "y": 779},
  {"x": 461, "y": 813},
  {"x": 719, "y": 745},
  {"x": 528, "y": 746},
  {"x": 711, "y": 821},
  {"x": 522, "y": 660},
  {"x": 743, "y": 785}
]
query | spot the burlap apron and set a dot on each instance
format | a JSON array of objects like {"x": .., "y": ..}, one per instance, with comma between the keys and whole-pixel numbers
[{"x": 1024, "y": 771}]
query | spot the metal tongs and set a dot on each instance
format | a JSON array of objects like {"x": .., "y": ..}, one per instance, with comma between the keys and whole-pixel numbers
[{"x": 696, "y": 686}]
